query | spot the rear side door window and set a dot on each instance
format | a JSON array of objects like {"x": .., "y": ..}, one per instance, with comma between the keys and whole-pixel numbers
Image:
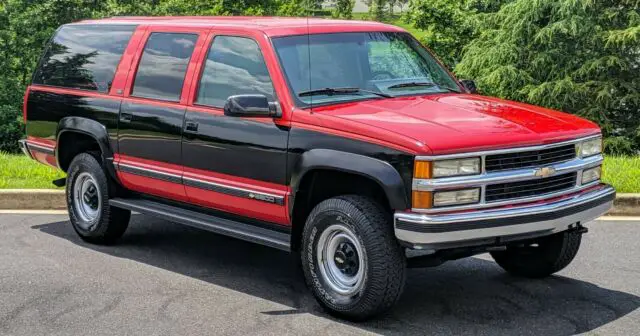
[
  {"x": 163, "y": 66},
  {"x": 234, "y": 66},
  {"x": 84, "y": 56}
]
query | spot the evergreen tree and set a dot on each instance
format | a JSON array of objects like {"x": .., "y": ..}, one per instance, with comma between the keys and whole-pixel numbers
[{"x": 578, "y": 56}]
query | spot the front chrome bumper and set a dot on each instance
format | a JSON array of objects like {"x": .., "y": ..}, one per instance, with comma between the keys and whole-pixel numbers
[{"x": 490, "y": 226}]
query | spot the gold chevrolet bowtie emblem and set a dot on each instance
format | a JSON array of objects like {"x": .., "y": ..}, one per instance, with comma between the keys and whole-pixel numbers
[{"x": 545, "y": 172}]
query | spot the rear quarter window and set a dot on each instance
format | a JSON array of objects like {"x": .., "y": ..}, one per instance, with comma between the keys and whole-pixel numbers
[{"x": 84, "y": 56}]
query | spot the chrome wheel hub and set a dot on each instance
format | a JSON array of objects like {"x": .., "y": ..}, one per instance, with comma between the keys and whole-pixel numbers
[
  {"x": 341, "y": 260},
  {"x": 86, "y": 200}
]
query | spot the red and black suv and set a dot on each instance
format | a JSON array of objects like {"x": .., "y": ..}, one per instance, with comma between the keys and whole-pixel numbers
[{"x": 346, "y": 142}]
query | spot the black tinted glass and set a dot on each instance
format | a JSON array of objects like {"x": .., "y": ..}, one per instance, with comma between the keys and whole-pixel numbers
[
  {"x": 84, "y": 56},
  {"x": 384, "y": 62},
  {"x": 234, "y": 66},
  {"x": 163, "y": 66}
]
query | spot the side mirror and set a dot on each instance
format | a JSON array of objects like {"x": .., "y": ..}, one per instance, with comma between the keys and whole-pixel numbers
[
  {"x": 469, "y": 85},
  {"x": 253, "y": 105}
]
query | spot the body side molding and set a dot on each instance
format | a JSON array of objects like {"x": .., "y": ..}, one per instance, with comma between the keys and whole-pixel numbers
[{"x": 380, "y": 171}]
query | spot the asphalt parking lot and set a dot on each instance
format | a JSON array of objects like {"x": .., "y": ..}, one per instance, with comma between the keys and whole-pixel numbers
[{"x": 166, "y": 279}]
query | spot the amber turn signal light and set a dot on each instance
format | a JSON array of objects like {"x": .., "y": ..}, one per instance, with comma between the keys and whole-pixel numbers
[
  {"x": 422, "y": 169},
  {"x": 421, "y": 199}
]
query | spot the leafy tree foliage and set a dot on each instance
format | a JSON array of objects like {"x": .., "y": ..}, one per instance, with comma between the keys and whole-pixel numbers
[
  {"x": 27, "y": 25},
  {"x": 578, "y": 56},
  {"x": 343, "y": 8},
  {"x": 449, "y": 25},
  {"x": 377, "y": 8}
]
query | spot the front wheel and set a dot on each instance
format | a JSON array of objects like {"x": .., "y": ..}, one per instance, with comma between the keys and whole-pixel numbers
[
  {"x": 88, "y": 193},
  {"x": 351, "y": 260},
  {"x": 541, "y": 257}
]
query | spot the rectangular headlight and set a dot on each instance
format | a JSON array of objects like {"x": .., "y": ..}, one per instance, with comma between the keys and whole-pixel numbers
[
  {"x": 456, "y": 167},
  {"x": 590, "y": 147},
  {"x": 592, "y": 174},
  {"x": 456, "y": 197}
]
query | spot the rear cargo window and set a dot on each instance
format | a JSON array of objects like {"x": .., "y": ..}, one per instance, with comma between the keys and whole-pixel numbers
[
  {"x": 163, "y": 66},
  {"x": 84, "y": 56}
]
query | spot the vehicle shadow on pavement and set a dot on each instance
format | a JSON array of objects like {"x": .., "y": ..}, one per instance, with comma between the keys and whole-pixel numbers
[{"x": 468, "y": 296}]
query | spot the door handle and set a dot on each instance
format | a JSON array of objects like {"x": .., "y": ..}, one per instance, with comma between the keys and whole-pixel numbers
[
  {"x": 126, "y": 117},
  {"x": 191, "y": 127}
]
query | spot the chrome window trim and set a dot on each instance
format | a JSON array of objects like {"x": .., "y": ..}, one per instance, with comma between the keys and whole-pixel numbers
[{"x": 504, "y": 151}]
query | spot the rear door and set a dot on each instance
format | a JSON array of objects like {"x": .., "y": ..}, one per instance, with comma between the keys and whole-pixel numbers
[
  {"x": 234, "y": 164},
  {"x": 152, "y": 112}
]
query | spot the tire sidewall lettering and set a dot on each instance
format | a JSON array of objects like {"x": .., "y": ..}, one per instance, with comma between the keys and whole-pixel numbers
[{"x": 323, "y": 221}]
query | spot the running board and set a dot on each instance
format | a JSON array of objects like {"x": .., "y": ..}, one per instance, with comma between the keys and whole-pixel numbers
[{"x": 248, "y": 232}]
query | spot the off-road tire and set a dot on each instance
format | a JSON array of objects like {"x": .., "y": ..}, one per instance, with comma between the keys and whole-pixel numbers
[
  {"x": 385, "y": 270},
  {"x": 110, "y": 222},
  {"x": 553, "y": 253}
]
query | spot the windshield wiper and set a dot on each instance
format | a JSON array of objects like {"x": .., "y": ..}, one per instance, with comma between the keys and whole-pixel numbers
[
  {"x": 422, "y": 84},
  {"x": 341, "y": 91},
  {"x": 411, "y": 84}
]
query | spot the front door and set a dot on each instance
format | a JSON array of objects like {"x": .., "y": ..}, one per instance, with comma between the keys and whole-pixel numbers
[
  {"x": 234, "y": 164},
  {"x": 152, "y": 114}
]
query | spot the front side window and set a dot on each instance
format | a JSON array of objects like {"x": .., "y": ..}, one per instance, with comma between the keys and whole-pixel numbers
[
  {"x": 163, "y": 66},
  {"x": 359, "y": 66},
  {"x": 234, "y": 66},
  {"x": 84, "y": 56}
]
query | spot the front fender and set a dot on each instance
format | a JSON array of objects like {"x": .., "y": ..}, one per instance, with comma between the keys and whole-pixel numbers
[{"x": 379, "y": 171}]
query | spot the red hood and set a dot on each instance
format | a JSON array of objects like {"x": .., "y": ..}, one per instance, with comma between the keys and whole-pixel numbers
[{"x": 452, "y": 123}]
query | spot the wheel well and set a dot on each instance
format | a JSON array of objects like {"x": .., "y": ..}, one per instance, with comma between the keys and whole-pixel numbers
[
  {"x": 71, "y": 144},
  {"x": 319, "y": 185}
]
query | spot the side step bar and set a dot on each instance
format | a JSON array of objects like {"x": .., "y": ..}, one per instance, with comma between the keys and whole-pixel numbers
[{"x": 248, "y": 232}]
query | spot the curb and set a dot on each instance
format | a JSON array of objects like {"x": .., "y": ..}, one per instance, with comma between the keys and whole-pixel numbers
[
  {"x": 38, "y": 199},
  {"x": 626, "y": 205},
  {"x": 32, "y": 199}
]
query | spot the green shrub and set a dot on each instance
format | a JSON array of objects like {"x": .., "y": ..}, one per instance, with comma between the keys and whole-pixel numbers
[
  {"x": 618, "y": 146},
  {"x": 11, "y": 129}
]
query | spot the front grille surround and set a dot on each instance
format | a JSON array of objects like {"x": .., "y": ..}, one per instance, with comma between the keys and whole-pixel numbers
[{"x": 504, "y": 187}]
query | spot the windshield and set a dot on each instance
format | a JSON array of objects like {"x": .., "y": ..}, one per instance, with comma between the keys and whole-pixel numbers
[{"x": 319, "y": 67}]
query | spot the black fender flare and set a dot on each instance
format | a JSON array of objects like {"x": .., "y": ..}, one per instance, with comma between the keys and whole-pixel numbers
[
  {"x": 93, "y": 129},
  {"x": 377, "y": 170}
]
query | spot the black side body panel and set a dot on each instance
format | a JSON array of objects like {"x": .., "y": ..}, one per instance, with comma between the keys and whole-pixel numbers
[
  {"x": 152, "y": 132},
  {"x": 380, "y": 171},
  {"x": 236, "y": 146},
  {"x": 46, "y": 110},
  {"x": 390, "y": 168}
]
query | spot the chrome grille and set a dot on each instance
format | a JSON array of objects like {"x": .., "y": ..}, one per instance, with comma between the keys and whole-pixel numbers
[
  {"x": 528, "y": 159},
  {"x": 529, "y": 188}
]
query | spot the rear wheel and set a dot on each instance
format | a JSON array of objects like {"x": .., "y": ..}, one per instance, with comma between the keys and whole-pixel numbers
[
  {"x": 351, "y": 260},
  {"x": 88, "y": 192},
  {"x": 541, "y": 257}
]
